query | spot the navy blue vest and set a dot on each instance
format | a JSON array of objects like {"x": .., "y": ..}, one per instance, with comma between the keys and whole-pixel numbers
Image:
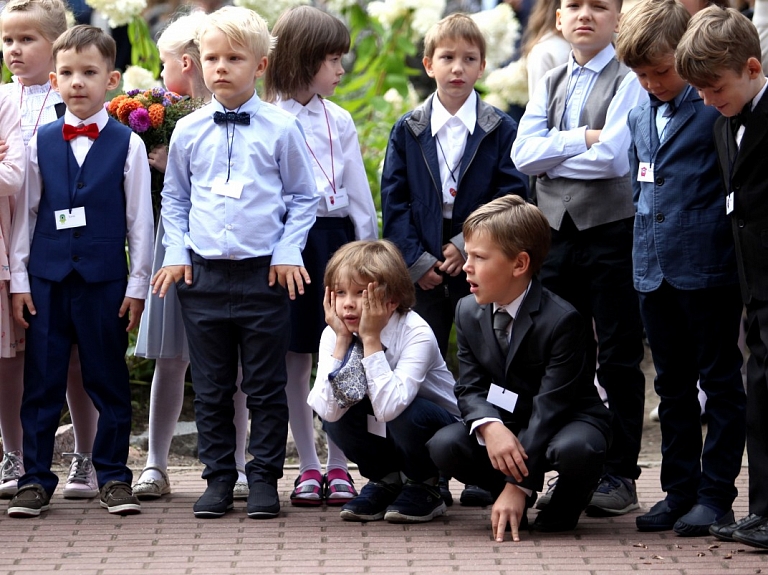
[{"x": 97, "y": 250}]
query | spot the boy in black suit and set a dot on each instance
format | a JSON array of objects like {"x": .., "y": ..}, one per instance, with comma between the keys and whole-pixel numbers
[
  {"x": 524, "y": 389},
  {"x": 720, "y": 56}
]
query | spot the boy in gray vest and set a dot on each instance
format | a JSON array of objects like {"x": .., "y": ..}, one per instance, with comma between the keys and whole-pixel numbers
[{"x": 574, "y": 139}]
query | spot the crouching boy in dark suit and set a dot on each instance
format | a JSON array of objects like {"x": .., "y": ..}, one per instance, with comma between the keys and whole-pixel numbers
[{"x": 524, "y": 390}]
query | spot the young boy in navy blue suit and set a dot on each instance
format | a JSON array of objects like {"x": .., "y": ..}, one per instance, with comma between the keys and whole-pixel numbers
[
  {"x": 685, "y": 274},
  {"x": 525, "y": 390},
  {"x": 720, "y": 56},
  {"x": 87, "y": 190}
]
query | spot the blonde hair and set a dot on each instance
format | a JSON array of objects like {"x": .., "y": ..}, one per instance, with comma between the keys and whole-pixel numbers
[
  {"x": 542, "y": 20},
  {"x": 50, "y": 15},
  {"x": 305, "y": 37},
  {"x": 455, "y": 26},
  {"x": 179, "y": 38},
  {"x": 717, "y": 40},
  {"x": 515, "y": 226},
  {"x": 374, "y": 260},
  {"x": 649, "y": 31},
  {"x": 241, "y": 26}
]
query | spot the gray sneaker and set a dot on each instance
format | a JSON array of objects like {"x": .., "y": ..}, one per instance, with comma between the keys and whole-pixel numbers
[
  {"x": 11, "y": 470},
  {"x": 613, "y": 496},
  {"x": 30, "y": 501},
  {"x": 118, "y": 498}
]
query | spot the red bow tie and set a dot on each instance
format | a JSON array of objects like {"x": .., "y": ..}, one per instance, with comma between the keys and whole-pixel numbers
[{"x": 71, "y": 132}]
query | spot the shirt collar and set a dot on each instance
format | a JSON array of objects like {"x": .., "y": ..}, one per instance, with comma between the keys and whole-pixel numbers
[
  {"x": 314, "y": 105},
  {"x": 513, "y": 307},
  {"x": 100, "y": 118},
  {"x": 597, "y": 63},
  {"x": 467, "y": 114},
  {"x": 250, "y": 106},
  {"x": 759, "y": 95}
]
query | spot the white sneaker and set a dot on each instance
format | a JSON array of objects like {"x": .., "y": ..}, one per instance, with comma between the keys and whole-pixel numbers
[
  {"x": 11, "y": 469},
  {"x": 82, "y": 482}
]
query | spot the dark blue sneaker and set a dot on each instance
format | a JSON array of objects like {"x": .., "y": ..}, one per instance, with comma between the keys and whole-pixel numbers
[
  {"x": 216, "y": 500},
  {"x": 372, "y": 502},
  {"x": 417, "y": 503}
]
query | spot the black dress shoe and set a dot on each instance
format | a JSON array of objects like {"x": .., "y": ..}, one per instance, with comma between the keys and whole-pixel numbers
[
  {"x": 445, "y": 491},
  {"x": 756, "y": 537},
  {"x": 699, "y": 519},
  {"x": 474, "y": 496},
  {"x": 263, "y": 501},
  {"x": 661, "y": 517},
  {"x": 725, "y": 532},
  {"x": 216, "y": 500},
  {"x": 553, "y": 519}
]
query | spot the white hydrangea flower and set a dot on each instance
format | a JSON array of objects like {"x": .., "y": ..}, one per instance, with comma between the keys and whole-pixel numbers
[
  {"x": 423, "y": 13},
  {"x": 118, "y": 12},
  {"x": 495, "y": 100},
  {"x": 508, "y": 84},
  {"x": 270, "y": 10},
  {"x": 392, "y": 96},
  {"x": 138, "y": 78},
  {"x": 501, "y": 30}
]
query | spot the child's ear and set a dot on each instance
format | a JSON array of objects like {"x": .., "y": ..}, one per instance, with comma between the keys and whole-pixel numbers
[
  {"x": 113, "y": 80},
  {"x": 186, "y": 63},
  {"x": 54, "y": 81},
  {"x": 754, "y": 68},
  {"x": 427, "y": 62},
  {"x": 521, "y": 264},
  {"x": 558, "y": 25}
]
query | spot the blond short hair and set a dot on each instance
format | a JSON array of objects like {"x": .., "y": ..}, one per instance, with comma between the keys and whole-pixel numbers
[
  {"x": 51, "y": 15},
  {"x": 455, "y": 26},
  {"x": 649, "y": 31},
  {"x": 373, "y": 260},
  {"x": 515, "y": 226},
  {"x": 241, "y": 26},
  {"x": 717, "y": 40},
  {"x": 179, "y": 37}
]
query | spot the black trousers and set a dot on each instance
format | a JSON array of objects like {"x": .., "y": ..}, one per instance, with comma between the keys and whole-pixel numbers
[
  {"x": 693, "y": 336},
  {"x": 576, "y": 452},
  {"x": 232, "y": 315},
  {"x": 757, "y": 405},
  {"x": 592, "y": 270}
]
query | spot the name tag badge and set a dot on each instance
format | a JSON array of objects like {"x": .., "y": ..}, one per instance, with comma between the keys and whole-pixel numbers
[
  {"x": 503, "y": 398},
  {"x": 377, "y": 427},
  {"x": 337, "y": 201},
  {"x": 729, "y": 201},
  {"x": 74, "y": 218},
  {"x": 226, "y": 188},
  {"x": 645, "y": 172}
]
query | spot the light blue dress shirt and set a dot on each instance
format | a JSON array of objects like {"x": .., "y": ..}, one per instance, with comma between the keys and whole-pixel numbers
[
  {"x": 279, "y": 196},
  {"x": 561, "y": 151}
]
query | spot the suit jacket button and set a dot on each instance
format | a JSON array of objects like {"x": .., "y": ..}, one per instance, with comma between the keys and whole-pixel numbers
[
  {"x": 740, "y": 223},
  {"x": 659, "y": 181},
  {"x": 75, "y": 258},
  {"x": 567, "y": 198},
  {"x": 80, "y": 185},
  {"x": 659, "y": 218},
  {"x": 76, "y": 234}
]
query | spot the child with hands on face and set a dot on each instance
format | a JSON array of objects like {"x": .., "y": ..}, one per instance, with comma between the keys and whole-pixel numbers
[{"x": 375, "y": 339}]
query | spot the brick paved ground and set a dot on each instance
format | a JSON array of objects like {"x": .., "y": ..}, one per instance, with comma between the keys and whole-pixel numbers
[{"x": 79, "y": 537}]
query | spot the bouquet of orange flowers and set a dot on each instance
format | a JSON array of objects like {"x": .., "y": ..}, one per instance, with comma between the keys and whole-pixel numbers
[{"x": 152, "y": 114}]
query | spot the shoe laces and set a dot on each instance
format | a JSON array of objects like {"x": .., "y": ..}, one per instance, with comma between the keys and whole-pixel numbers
[
  {"x": 11, "y": 467},
  {"x": 608, "y": 484},
  {"x": 81, "y": 469},
  {"x": 552, "y": 483}
]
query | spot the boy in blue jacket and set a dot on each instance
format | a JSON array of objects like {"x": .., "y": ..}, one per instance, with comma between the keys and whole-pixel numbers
[
  {"x": 685, "y": 273},
  {"x": 444, "y": 159}
]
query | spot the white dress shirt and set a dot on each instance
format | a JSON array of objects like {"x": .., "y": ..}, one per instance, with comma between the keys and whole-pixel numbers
[
  {"x": 411, "y": 366},
  {"x": 345, "y": 169},
  {"x": 561, "y": 151},
  {"x": 138, "y": 209},
  {"x": 451, "y": 133}
]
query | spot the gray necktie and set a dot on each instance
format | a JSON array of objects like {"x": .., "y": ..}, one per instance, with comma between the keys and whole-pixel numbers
[{"x": 501, "y": 321}]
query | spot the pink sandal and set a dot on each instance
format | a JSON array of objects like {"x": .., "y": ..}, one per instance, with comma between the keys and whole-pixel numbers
[
  {"x": 308, "y": 489},
  {"x": 339, "y": 487}
]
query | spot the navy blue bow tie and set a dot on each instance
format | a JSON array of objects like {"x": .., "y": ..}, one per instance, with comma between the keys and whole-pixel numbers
[
  {"x": 232, "y": 118},
  {"x": 656, "y": 103}
]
